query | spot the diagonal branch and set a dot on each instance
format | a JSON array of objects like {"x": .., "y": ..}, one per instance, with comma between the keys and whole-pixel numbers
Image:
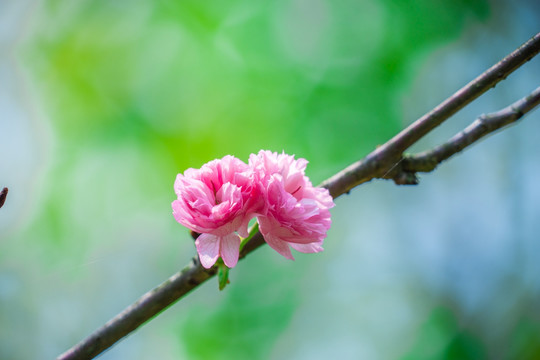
[
  {"x": 427, "y": 161},
  {"x": 378, "y": 162},
  {"x": 148, "y": 305},
  {"x": 403, "y": 171},
  {"x": 375, "y": 165}
]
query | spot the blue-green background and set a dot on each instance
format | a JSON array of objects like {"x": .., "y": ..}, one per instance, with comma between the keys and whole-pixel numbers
[{"x": 102, "y": 103}]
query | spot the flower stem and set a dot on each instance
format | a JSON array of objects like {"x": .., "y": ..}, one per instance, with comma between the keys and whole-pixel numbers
[{"x": 254, "y": 230}]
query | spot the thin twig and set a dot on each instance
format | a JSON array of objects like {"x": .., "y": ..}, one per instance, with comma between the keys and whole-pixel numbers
[
  {"x": 403, "y": 172},
  {"x": 486, "y": 124},
  {"x": 372, "y": 166},
  {"x": 384, "y": 157}
]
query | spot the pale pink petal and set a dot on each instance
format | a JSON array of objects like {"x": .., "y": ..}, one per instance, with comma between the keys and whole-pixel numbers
[
  {"x": 230, "y": 246},
  {"x": 323, "y": 196},
  {"x": 294, "y": 183},
  {"x": 243, "y": 229},
  {"x": 208, "y": 249},
  {"x": 266, "y": 224},
  {"x": 228, "y": 227},
  {"x": 307, "y": 248},
  {"x": 280, "y": 246},
  {"x": 301, "y": 164}
]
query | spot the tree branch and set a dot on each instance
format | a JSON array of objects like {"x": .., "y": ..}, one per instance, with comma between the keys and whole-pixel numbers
[
  {"x": 381, "y": 160},
  {"x": 148, "y": 305},
  {"x": 427, "y": 161},
  {"x": 376, "y": 165}
]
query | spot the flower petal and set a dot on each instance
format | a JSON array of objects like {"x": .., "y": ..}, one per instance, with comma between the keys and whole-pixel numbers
[
  {"x": 208, "y": 249},
  {"x": 313, "y": 247},
  {"x": 230, "y": 245},
  {"x": 243, "y": 230},
  {"x": 279, "y": 245}
]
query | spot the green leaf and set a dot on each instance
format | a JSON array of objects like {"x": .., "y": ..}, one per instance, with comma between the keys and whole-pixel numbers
[{"x": 223, "y": 275}]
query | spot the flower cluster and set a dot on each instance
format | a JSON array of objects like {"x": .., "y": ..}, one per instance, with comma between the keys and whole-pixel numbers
[{"x": 219, "y": 199}]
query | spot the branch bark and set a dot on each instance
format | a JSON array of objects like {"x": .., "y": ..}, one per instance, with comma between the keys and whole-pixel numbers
[
  {"x": 378, "y": 164},
  {"x": 3, "y": 196},
  {"x": 427, "y": 161},
  {"x": 381, "y": 160}
]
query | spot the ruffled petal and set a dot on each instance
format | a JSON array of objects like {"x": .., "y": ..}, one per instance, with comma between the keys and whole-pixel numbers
[
  {"x": 243, "y": 230},
  {"x": 230, "y": 246},
  {"x": 208, "y": 249},
  {"x": 220, "y": 198},
  {"x": 279, "y": 245},
  {"x": 308, "y": 248}
]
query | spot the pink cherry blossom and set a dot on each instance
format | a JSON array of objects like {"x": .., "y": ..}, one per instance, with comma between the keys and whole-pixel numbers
[
  {"x": 217, "y": 200},
  {"x": 296, "y": 213}
]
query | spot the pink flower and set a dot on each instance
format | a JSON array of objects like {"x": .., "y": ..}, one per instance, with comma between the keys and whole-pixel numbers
[
  {"x": 217, "y": 201},
  {"x": 296, "y": 213}
]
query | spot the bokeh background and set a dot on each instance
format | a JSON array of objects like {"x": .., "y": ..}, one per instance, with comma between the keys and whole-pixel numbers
[{"x": 102, "y": 103}]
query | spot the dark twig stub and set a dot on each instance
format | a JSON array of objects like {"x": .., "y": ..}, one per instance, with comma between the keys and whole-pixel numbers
[{"x": 3, "y": 196}]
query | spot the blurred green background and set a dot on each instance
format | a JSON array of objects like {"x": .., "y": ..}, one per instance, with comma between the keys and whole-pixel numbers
[{"x": 103, "y": 103}]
